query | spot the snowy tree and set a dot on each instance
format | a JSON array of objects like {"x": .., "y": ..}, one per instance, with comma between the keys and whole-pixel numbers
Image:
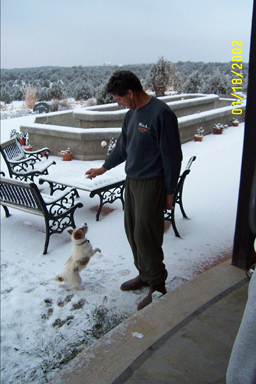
[
  {"x": 5, "y": 95},
  {"x": 56, "y": 91},
  {"x": 194, "y": 83},
  {"x": 217, "y": 83},
  {"x": 177, "y": 82},
  {"x": 17, "y": 94},
  {"x": 42, "y": 94},
  {"x": 83, "y": 91},
  {"x": 102, "y": 96},
  {"x": 161, "y": 74}
]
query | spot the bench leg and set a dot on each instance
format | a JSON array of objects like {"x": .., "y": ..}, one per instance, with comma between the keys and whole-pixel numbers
[
  {"x": 109, "y": 196},
  {"x": 7, "y": 213},
  {"x": 169, "y": 216},
  {"x": 47, "y": 236},
  {"x": 179, "y": 201},
  {"x": 60, "y": 223},
  {"x": 174, "y": 225}
]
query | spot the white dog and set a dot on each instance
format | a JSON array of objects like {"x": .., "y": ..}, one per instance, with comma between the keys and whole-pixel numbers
[{"x": 82, "y": 251}]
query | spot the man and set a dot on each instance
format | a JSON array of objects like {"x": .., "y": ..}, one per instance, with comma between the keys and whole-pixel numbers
[{"x": 150, "y": 145}]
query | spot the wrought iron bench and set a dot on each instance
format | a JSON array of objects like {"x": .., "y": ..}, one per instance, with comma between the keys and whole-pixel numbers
[
  {"x": 25, "y": 165},
  {"x": 169, "y": 215},
  {"x": 58, "y": 212}
]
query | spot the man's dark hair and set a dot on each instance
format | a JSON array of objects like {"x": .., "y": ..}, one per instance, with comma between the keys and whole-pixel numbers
[{"x": 121, "y": 81}]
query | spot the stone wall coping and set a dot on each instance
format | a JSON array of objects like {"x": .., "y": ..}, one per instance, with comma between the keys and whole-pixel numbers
[
  {"x": 195, "y": 101},
  {"x": 69, "y": 132},
  {"x": 90, "y": 114},
  {"x": 101, "y": 115},
  {"x": 204, "y": 116}
]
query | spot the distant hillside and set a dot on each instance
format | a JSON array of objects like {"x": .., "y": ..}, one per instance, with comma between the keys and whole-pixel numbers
[{"x": 85, "y": 82}]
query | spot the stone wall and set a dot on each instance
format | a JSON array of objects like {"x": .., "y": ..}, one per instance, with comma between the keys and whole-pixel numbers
[
  {"x": 86, "y": 143},
  {"x": 110, "y": 115}
]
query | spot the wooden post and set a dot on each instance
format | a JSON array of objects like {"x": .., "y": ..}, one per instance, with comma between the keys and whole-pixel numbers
[{"x": 243, "y": 250}]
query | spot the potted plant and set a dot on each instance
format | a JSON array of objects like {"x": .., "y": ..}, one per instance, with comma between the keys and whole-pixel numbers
[
  {"x": 66, "y": 154},
  {"x": 20, "y": 136},
  {"x": 199, "y": 135},
  {"x": 218, "y": 128},
  {"x": 235, "y": 122},
  {"x": 160, "y": 89},
  {"x": 110, "y": 146}
]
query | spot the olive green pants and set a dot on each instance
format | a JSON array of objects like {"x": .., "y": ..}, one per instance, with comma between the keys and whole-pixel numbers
[{"x": 144, "y": 226}]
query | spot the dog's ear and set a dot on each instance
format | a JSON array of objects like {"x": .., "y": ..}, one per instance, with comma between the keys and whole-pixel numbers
[{"x": 70, "y": 231}]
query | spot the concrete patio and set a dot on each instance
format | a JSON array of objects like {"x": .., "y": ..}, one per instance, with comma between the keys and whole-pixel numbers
[{"x": 184, "y": 337}]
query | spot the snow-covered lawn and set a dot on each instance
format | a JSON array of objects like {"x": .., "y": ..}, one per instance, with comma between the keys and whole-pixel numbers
[{"x": 45, "y": 323}]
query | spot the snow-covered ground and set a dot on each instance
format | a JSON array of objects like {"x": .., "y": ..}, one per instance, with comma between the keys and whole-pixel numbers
[{"x": 45, "y": 323}]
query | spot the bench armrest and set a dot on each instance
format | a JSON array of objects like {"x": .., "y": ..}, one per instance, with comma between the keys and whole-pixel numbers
[
  {"x": 60, "y": 203},
  {"x": 22, "y": 161},
  {"x": 38, "y": 154}
]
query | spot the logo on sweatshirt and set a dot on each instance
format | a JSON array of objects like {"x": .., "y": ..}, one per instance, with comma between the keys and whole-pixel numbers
[{"x": 143, "y": 128}]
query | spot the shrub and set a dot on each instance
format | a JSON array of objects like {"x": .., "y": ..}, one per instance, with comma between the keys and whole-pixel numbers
[
  {"x": 194, "y": 83},
  {"x": 29, "y": 95},
  {"x": 56, "y": 91},
  {"x": 83, "y": 91},
  {"x": 103, "y": 97},
  {"x": 5, "y": 96},
  {"x": 218, "y": 83}
]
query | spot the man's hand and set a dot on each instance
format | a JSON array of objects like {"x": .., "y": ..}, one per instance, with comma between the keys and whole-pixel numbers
[
  {"x": 168, "y": 202},
  {"x": 93, "y": 172}
]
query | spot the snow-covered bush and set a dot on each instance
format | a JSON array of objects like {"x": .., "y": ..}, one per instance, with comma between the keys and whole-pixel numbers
[
  {"x": 102, "y": 96},
  {"x": 217, "y": 83},
  {"x": 194, "y": 83},
  {"x": 83, "y": 91},
  {"x": 56, "y": 91}
]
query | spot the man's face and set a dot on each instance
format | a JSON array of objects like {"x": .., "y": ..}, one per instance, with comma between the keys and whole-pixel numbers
[{"x": 127, "y": 100}]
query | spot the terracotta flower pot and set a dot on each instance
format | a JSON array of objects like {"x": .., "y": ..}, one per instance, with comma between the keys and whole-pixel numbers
[
  {"x": 66, "y": 156},
  {"x": 22, "y": 141},
  {"x": 217, "y": 131},
  {"x": 198, "y": 138},
  {"x": 160, "y": 91},
  {"x": 235, "y": 124}
]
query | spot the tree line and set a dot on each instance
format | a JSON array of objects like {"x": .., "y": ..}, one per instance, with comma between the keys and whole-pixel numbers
[{"x": 83, "y": 83}]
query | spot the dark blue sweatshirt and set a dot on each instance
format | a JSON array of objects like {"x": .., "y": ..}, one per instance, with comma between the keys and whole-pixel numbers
[{"x": 150, "y": 144}]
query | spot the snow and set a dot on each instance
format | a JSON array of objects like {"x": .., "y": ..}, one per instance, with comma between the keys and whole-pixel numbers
[{"x": 45, "y": 323}]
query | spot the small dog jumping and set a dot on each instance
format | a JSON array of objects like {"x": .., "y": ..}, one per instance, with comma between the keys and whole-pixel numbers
[{"x": 82, "y": 251}]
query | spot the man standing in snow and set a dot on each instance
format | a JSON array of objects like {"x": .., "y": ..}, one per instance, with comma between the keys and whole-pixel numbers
[{"x": 150, "y": 145}]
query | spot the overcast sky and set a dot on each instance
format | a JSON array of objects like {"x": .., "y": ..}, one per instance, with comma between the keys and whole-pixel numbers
[{"x": 90, "y": 32}]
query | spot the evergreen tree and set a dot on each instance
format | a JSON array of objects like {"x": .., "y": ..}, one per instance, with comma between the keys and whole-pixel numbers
[
  {"x": 162, "y": 74},
  {"x": 177, "y": 82},
  {"x": 83, "y": 91},
  {"x": 5, "y": 95},
  {"x": 194, "y": 83},
  {"x": 56, "y": 91},
  {"x": 217, "y": 83},
  {"x": 102, "y": 96}
]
